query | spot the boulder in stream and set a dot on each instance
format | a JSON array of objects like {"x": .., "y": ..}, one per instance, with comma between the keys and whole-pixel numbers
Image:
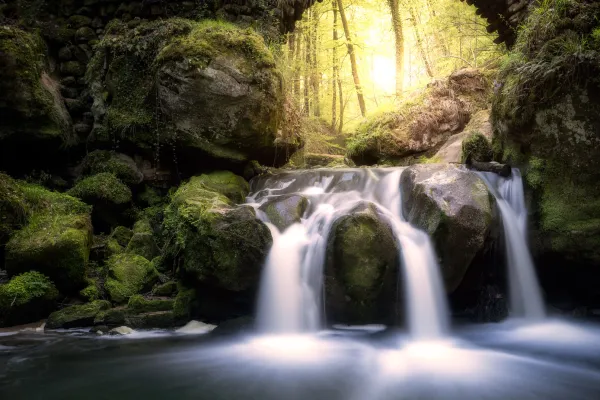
[{"x": 454, "y": 206}]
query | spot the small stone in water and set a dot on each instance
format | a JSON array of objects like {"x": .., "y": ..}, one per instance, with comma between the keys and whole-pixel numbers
[
  {"x": 122, "y": 330},
  {"x": 196, "y": 327}
]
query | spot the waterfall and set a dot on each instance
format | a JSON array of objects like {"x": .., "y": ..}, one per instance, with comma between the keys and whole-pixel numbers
[
  {"x": 290, "y": 298},
  {"x": 525, "y": 294}
]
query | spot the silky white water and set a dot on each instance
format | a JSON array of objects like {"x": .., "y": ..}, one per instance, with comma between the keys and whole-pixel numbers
[
  {"x": 290, "y": 298},
  {"x": 525, "y": 294}
]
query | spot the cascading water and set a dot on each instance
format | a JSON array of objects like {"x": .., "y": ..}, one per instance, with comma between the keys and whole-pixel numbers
[
  {"x": 290, "y": 298},
  {"x": 525, "y": 294}
]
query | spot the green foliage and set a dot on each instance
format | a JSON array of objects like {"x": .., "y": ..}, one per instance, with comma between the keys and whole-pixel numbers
[
  {"x": 184, "y": 303},
  {"x": 121, "y": 235},
  {"x": 25, "y": 288},
  {"x": 102, "y": 188},
  {"x": 476, "y": 147},
  {"x": 91, "y": 292},
  {"x": 129, "y": 274},
  {"x": 165, "y": 289},
  {"x": 13, "y": 207}
]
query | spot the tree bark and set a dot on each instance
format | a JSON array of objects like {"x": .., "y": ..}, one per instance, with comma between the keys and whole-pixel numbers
[
  {"x": 307, "y": 63},
  {"x": 353, "y": 63},
  {"x": 291, "y": 58},
  {"x": 334, "y": 68},
  {"x": 316, "y": 82},
  {"x": 297, "y": 58},
  {"x": 399, "y": 44}
]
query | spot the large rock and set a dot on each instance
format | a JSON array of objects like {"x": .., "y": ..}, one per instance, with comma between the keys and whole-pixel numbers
[
  {"x": 284, "y": 211},
  {"x": 361, "y": 269},
  {"x": 549, "y": 125},
  {"x": 55, "y": 241},
  {"x": 26, "y": 298},
  {"x": 215, "y": 84},
  {"x": 451, "y": 151},
  {"x": 216, "y": 242},
  {"x": 120, "y": 165},
  {"x": 34, "y": 123},
  {"x": 421, "y": 125},
  {"x": 455, "y": 208},
  {"x": 129, "y": 274}
]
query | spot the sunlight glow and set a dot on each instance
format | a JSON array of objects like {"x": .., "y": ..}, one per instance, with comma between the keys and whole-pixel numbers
[{"x": 383, "y": 73}]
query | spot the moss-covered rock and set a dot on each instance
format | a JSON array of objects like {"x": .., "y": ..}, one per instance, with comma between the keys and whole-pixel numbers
[
  {"x": 455, "y": 208},
  {"x": 547, "y": 120},
  {"x": 121, "y": 235},
  {"x": 217, "y": 86},
  {"x": 26, "y": 298},
  {"x": 120, "y": 165},
  {"x": 113, "y": 317},
  {"x": 13, "y": 208},
  {"x": 165, "y": 289},
  {"x": 451, "y": 151},
  {"x": 92, "y": 291},
  {"x": 76, "y": 316},
  {"x": 151, "y": 320},
  {"x": 216, "y": 242},
  {"x": 476, "y": 147},
  {"x": 362, "y": 264},
  {"x": 129, "y": 274},
  {"x": 184, "y": 303},
  {"x": 421, "y": 124},
  {"x": 34, "y": 122},
  {"x": 143, "y": 244},
  {"x": 285, "y": 210},
  {"x": 139, "y": 304},
  {"x": 232, "y": 186},
  {"x": 56, "y": 240},
  {"x": 104, "y": 187}
]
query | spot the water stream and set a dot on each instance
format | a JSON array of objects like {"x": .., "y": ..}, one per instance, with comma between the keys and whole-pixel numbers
[
  {"x": 290, "y": 298},
  {"x": 525, "y": 295}
]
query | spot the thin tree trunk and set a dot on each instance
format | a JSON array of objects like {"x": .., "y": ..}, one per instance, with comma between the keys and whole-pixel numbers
[
  {"x": 420, "y": 46},
  {"x": 297, "y": 58},
  {"x": 292, "y": 58},
  {"x": 335, "y": 68},
  {"x": 399, "y": 43},
  {"x": 339, "y": 82},
  {"x": 307, "y": 71},
  {"x": 353, "y": 63},
  {"x": 316, "y": 82}
]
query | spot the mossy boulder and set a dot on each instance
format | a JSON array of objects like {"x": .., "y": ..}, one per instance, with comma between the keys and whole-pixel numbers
[
  {"x": 285, "y": 210},
  {"x": 113, "y": 317},
  {"x": 120, "y": 165},
  {"x": 76, "y": 316},
  {"x": 232, "y": 186},
  {"x": 13, "y": 208},
  {"x": 26, "y": 298},
  {"x": 216, "y": 242},
  {"x": 476, "y": 147},
  {"x": 129, "y": 274},
  {"x": 546, "y": 117},
  {"x": 185, "y": 302},
  {"x": 165, "y": 289},
  {"x": 361, "y": 268},
  {"x": 34, "y": 122},
  {"x": 142, "y": 242},
  {"x": 102, "y": 188},
  {"x": 55, "y": 241},
  {"x": 152, "y": 320},
  {"x": 455, "y": 208},
  {"x": 215, "y": 84},
  {"x": 452, "y": 150},
  {"x": 139, "y": 304},
  {"x": 121, "y": 235}
]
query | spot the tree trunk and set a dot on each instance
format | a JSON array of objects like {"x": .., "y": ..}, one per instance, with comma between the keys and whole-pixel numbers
[
  {"x": 339, "y": 82},
  {"x": 420, "y": 45},
  {"x": 335, "y": 72},
  {"x": 297, "y": 58},
  {"x": 291, "y": 59},
  {"x": 316, "y": 82},
  {"x": 307, "y": 71},
  {"x": 353, "y": 64},
  {"x": 399, "y": 43}
]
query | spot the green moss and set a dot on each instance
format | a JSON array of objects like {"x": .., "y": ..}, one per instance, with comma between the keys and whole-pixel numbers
[
  {"x": 232, "y": 186},
  {"x": 13, "y": 207},
  {"x": 476, "y": 147},
  {"x": 121, "y": 235},
  {"x": 56, "y": 239},
  {"x": 76, "y": 316},
  {"x": 113, "y": 317},
  {"x": 184, "y": 303},
  {"x": 129, "y": 274},
  {"x": 142, "y": 226},
  {"x": 123, "y": 168},
  {"x": 143, "y": 244},
  {"x": 91, "y": 292},
  {"x": 25, "y": 298},
  {"x": 114, "y": 247},
  {"x": 138, "y": 304},
  {"x": 78, "y": 21},
  {"x": 102, "y": 188},
  {"x": 33, "y": 110},
  {"x": 165, "y": 289},
  {"x": 152, "y": 320},
  {"x": 150, "y": 197}
]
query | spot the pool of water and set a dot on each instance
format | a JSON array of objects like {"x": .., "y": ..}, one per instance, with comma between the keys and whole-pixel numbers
[{"x": 553, "y": 360}]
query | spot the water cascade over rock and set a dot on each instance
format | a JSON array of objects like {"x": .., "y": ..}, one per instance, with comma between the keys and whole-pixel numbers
[
  {"x": 525, "y": 294},
  {"x": 291, "y": 293}
]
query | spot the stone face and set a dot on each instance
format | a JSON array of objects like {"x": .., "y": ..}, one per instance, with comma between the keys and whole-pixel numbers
[
  {"x": 454, "y": 207},
  {"x": 285, "y": 211},
  {"x": 451, "y": 151},
  {"x": 362, "y": 264},
  {"x": 129, "y": 274},
  {"x": 121, "y": 165}
]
